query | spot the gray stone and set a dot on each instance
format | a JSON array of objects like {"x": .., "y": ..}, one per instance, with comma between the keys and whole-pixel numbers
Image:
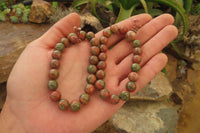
[
  {"x": 158, "y": 89},
  {"x": 142, "y": 117}
]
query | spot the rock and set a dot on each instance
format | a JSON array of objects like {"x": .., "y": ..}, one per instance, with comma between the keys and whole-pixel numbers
[
  {"x": 158, "y": 89},
  {"x": 171, "y": 68},
  {"x": 193, "y": 77},
  {"x": 40, "y": 11},
  {"x": 2, "y": 94},
  {"x": 13, "y": 39},
  {"x": 142, "y": 117}
]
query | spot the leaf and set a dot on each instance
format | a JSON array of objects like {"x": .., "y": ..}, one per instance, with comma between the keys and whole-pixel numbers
[
  {"x": 178, "y": 17},
  {"x": 77, "y": 3},
  {"x": 127, "y": 4},
  {"x": 187, "y": 5},
  {"x": 144, "y": 4},
  {"x": 124, "y": 13}
]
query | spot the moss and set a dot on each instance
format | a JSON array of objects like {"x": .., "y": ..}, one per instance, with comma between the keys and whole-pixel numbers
[
  {"x": 14, "y": 19},
  {"x": 18, "y": 12},
  {"x": 2, "y": 17},
  {"x": 25, "y": 18}
]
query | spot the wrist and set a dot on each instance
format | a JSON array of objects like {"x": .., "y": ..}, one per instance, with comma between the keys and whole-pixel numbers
[{"x": 9, "y": 123}]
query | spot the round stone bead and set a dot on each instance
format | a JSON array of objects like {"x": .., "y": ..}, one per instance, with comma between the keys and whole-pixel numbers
[
  {"x": 63, "y": 104},
  {"x": 130, "y": 35},
  {"x": 90, "y": 35},
  {"x": 53, "y": 74},
  {"x": 133, "y": 76},
  {"x": 89, "y": 89},
  {"x": 92, "y": 69},
  {"x": 135, "y": 67},
  {"x": 100, "y": 74},
  {"x": 102, "y": 56},
  {"x": 136, "y": 43},
  {"x": 124, "y": 96},
  {"x": 75, "y": 106},
  {"x": 137, "y": 59},
  {"x": 94, "y": 50},
  {"x": 84, "y": 98},
  {"x": 73, "y": 38},
  {"x": 114, "y": 28},
  {"x": 114, "y": 99},
  {"x": 60, "y": 47},
  {"x": 137, "y": 51},
  {"x": 100, "y": 84},
  {"x": 101, "y": 65},
  {"x": 65, "y": 41},
  {"x": 103, "y": 48},
  {"x": 94, "y": 42},
  {"x": 55, "y": 96},
  {"x": 82, "y": 35},
  {"x": 91, "y": 79},
  {"x": 55, "y": 64},
  {"x": 52, "y": 85},
  {"x": 107, "y": 33},
  {"x": 56, "y": 54},
  {"x": 104, "y": 94},
  {"x": 123, "y": 29},
  {"x": 93, "y": 60},
  {"x": 130, "y": 86},
  {"x": 103, "y": 40}
]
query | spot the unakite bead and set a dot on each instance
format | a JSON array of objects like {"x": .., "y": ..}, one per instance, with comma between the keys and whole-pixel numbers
[
  {"x": 124, "y": 96},
  {"x": 65, "y": 41},
  {"x": 136, "y": 43},
  {"x": 91, "y": 79},
  {"x": 114, "y": 28},
  {"x": 52, "y": 85},
  {"x": 130, "y": 35},
  {"x": 82, "y": 35},
  {"x": 114, "y": 98},
  {"x": 123, "y": 29},
  {"x": 101, "y": 65},
  {"x": 93, "y": 60},
  {"x": 95, "y": 50},
  {"x": 95, "y": 42},
  {"x": 103, "y": 40},
  {"x": 92, "y": 69},
  {"x": 133, "y": 76},
  {"x": 89, "y": 89},
  {"x": 75, "y": 106},
  {"x": 55, "y": 96},
  {"x": 137, "y": 51},
  {"x": 135, "y": 67},
  {"x": 53, "y": 74},
  {"x": 84, "y": 98},
  {"x": 90, "y": 35},
  {"x": 100, "y": 84},
  {"x": 104, "y": 94},
  {"x": 102, "y": 56},
  {"x": 73, "y": 38},
  {"x": 63, "y": 104},
  {"x": 107, "y": 33},
  {"x": 55, "y": 64},
  {"x": 130, "y": 86},
  {"x": 103, "y": 48},
  {"x": 56, "y": 54},
  {"x": 100, "y": 74},
  {"x": 137, "y": 59}
]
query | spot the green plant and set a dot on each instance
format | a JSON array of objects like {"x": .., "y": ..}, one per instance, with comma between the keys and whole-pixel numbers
[
  {"x": 14, "y": 19},
  {"x": 25, "y": 18},
  {"x": 2, "y": 17}
]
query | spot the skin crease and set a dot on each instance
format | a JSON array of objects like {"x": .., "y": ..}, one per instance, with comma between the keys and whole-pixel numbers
[{"x": 28, "y": 108}]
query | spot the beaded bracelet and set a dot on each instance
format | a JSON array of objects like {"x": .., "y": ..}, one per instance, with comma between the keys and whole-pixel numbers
[{"x": 96, "y": 68}]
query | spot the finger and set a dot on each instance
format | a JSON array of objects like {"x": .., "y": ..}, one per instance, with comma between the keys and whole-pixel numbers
[
  {"x": 122, "y": 49},
  {"x": 151, "y": 48},
  {"x": 61, "y": 29},
  {"x": 138, "y": 20},
  {"x": 148, "y": 72}
]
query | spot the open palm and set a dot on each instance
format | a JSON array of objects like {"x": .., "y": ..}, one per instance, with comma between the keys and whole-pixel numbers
[{"x": 28, "y": 96}]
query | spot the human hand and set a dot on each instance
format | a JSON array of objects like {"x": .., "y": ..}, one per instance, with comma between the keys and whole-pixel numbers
[{"x": 28, "y": 107}]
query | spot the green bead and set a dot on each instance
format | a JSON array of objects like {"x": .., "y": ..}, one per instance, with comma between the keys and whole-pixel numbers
[
  {"x": 125, "y": 96},
  {"x": 63, "y": 104},
  {"x": 60, "y": 47},
  {"x": 52, "y": 85},
  {"x": 136, "y": 43},
  {"x": 135, "y": 67},
  {"x": 107, "y": 33},
  {"x": 91, "y": 69},
  {"x": 114, "y": 99},
  {"x": 100, "y": 84},
  {"x": 75, "y": 106},
  {"x": 104, "y": 94},
  {"x": 84, "y": 98},
  {"x": 130, "y": 86}
]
